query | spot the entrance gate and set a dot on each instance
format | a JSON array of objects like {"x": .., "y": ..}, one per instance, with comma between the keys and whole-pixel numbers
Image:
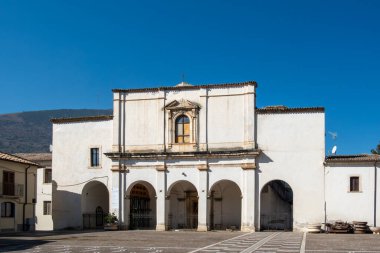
[
  {"x": 140, "y": 211},
  {"x": 99, "y": 216}
]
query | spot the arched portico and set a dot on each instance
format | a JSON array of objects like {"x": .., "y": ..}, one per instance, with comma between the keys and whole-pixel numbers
[
  {"x": 225, "y": 205},
  {"x": 94, "y": 204},
  {"x": 276, "y": 206},
  {"x": 183, "y": 206},
  {"x": 141, "y": 205}
]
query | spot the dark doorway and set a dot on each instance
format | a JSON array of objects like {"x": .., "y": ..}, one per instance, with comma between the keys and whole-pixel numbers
[
  {"x": 99, "y": 216},
  {"x": 276, "y": 206}
]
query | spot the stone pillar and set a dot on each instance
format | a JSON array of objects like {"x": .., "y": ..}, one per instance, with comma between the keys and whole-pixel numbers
[
  {"x": 248, "y": 198},
  {"x": 127, "y": 211},
  {"x": 123, "y": 188},
  {"x": 249, "y": 117},
  {"x": 202, "y": 200},
  {"x": 161, "y": 206}
]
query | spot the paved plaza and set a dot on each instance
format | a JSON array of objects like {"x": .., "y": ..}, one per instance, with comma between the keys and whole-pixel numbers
[{"x": 186, "y": 241}]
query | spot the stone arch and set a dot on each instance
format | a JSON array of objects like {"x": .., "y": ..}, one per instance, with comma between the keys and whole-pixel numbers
[
  {"x": 95, "y": 197},
  {"x": 142, "y": 205},
  {"x": 183, "y": 205},
  {"x": 225, "y": 205},
  {"x": 276, "y": 206}
]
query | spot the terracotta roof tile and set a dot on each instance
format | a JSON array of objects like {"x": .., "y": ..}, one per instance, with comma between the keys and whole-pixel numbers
[
  {"x": 284, "y": 109},
  {"x": 352, "y": 158},
  {"x": 16, "y": 159},
  {"x": 35, "y": 157},
  {"x": 187, "y": 87},
  {"x": 82, "y": 119}
]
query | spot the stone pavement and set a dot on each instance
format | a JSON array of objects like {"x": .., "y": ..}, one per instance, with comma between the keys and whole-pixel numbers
[{"x": 186, "y": 241}]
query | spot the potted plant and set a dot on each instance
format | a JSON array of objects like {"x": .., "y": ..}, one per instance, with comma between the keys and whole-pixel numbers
[{"x": 111, "y": 222}]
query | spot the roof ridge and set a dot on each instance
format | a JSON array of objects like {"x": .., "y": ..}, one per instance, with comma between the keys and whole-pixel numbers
[
  {"x": 82, "y": 119},
  {"x": 15, "y": 158},
  {"x": 284, "y": 109},
  {"x": 193, "y": 87}
]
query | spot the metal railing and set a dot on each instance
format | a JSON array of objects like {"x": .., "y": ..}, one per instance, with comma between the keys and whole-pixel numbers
[
  {"x": 141, "y": 221},
  {"x": 10, "y": 189}
]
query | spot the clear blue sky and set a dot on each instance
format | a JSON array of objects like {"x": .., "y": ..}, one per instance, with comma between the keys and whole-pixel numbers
[{"x": 70, "y": 54}]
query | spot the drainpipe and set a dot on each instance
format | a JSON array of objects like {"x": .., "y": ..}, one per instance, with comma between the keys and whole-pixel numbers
[
  {"x": 119, "y": 149},
  {"x": 375, "y": 196},
  {"x": 26, "y": 199},
  {"x": 324, "y": 193},
  {"x": 165, "y": 121}
]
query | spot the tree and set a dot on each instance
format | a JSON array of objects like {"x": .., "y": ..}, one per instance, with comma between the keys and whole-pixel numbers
[{"x": 376, "y": 151}]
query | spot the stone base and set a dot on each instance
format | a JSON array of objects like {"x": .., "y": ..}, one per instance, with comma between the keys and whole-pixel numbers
[
  {"x": 160, "y": 227},
  {"x": 202, "y": 228},
  {"x": 247, "y": 229}
]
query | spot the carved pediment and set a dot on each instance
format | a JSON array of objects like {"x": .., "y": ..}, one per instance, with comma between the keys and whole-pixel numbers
[{"x": 181, "y": 105}]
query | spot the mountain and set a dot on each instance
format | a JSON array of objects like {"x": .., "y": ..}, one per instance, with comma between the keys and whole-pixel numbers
[{"x": 31, "y": 132}]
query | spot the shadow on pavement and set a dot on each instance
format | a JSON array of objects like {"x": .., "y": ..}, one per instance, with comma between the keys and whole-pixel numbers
[{"x": 11, "y": 245}]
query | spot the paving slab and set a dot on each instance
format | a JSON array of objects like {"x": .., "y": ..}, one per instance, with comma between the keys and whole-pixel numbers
[{"x": 186, "y": 241}]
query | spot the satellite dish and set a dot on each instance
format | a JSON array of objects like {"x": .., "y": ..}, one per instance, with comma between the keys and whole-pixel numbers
[{"x": 333, "y": 151}]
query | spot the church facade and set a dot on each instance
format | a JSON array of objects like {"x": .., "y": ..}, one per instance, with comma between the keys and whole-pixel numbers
[{"x": 197, "y": 157}]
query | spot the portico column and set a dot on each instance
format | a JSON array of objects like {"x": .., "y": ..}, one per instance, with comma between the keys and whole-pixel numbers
[
  {"x": 202, "y": 194},
  {"x": 248, "y": 197},
  {"x": 127, "y": 209},
  {"x": 161, "y": 200}
]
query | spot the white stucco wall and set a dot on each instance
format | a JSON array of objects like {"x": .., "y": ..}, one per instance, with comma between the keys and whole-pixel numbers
[
  {"x": 292, "y": 147},
  {"x": 341, "y": 204},
  {"x": 72, "y": 170},
  {"x": 226, "y": 118},
  {"x": 44, "y": 193}
]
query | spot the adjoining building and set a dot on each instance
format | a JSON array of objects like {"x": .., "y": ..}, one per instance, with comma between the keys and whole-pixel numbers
[
  {"x": 17, "y": 193},
  {"x": 197, "y": 157},
  {"x": 351, "y": 188},
  {"x": 43, "y": 209}
]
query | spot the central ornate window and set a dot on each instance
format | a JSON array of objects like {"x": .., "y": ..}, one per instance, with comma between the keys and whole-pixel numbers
[
  {"x": 182, "y": 116},
  {"x": 182, "y": 129}
]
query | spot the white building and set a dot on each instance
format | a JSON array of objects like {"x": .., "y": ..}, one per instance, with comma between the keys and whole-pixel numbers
[
  {"x": 43, "y": 209},
  {"x": 201, "y": 157}
]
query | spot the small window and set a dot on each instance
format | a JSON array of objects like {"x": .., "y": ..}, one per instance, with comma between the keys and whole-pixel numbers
[
  {"x": 94, "y": 157},
  {"x": 7, "y": 209},
  {"x": 47, "y": 176},
  {"x": 354, "y": 184},
  {"x": 47, "y": 207},
  {"x": 8, "y": 183},
  {"x": 182, "y": 129}
]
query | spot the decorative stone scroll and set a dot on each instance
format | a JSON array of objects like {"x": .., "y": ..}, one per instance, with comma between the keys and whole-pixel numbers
[{"x": 248, "y": 166}]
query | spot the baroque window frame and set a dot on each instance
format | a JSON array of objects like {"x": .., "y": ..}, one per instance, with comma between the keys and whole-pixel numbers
[{"x": 176, "y": 109}]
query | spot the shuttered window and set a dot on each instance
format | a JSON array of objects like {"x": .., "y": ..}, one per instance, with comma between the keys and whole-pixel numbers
[
  {"x": 182, "y": 129},
  {"x": 354, "y": 184},
  {"x": 7, "y": 209},
  {"x": 94, "y": 157},
  {"x": 47, "y": 207},
  {"x": 47, "y": 176}
]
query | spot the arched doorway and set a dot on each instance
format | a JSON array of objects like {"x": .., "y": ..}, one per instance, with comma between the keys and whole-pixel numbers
[
  {"x": 183, "y": 212},
  {"x": 142, "y": 206},
  {"x": 95, "y": 204},
  {"x": 225, "y": 205},
  {"x": 276, "y": 206}
]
